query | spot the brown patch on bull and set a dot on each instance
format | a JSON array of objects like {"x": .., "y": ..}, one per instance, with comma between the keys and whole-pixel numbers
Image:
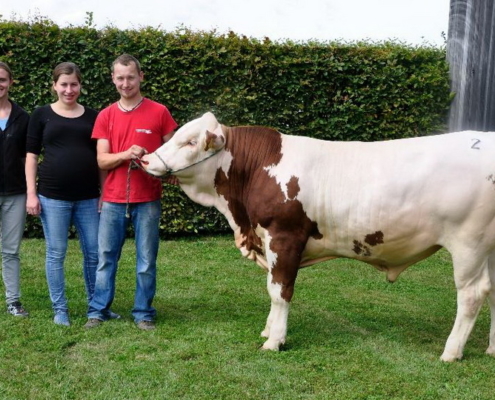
[
  {"x": 255, "y": 198},
  {"x": 293, "y": 187},
  {"x": 213, "y": 141},
  {"x": 252, "y": 242},
  {"x": 374, "y": 238},
  {"x": 361, "y": 249},
  {"x": 491, "y": 178}
]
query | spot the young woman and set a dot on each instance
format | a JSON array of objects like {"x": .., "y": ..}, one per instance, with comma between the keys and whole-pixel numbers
[
  {"x": 13, "y": 128},
  {"x": 68, "y": 187}
]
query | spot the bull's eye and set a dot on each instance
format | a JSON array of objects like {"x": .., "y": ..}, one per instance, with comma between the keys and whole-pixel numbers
[{"x": 191, "y": 143}]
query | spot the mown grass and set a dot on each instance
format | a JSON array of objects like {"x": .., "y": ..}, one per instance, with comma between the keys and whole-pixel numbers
[{"x": 351, "y": 334}]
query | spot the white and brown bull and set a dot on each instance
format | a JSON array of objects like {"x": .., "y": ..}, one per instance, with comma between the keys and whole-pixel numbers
[{"x": 295, "y": 201}]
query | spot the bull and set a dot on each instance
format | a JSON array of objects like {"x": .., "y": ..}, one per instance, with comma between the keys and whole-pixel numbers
[{"x": 296, "y": 201}]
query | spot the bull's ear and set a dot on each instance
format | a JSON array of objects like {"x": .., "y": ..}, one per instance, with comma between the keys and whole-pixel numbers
[{"x": 214, "y": 141}]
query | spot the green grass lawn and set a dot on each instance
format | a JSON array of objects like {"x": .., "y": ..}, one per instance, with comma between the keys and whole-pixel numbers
[{"x": 351, "y": 334}]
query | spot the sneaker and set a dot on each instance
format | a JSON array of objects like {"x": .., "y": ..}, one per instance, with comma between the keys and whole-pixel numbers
[
  {"x": 16, "y": 309},
  {"x": 113, "y": 315},
  {"x": 146, "y": 325},
  {"x": 93, "y": 323},
  {"x": 61, "y": 318}
]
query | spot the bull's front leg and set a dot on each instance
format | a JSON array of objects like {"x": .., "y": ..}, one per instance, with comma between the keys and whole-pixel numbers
[
  {"x": 280, "y": 285},
  {"x": 276, "y": 324}
]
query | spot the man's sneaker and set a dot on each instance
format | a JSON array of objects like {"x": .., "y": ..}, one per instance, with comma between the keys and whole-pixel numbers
[
  {"x": 16, "y": 309},
  {"x": 93, "y": 323},
  {"x": 146, "y": 325},
  {"x": 61, "y": 318},
  {"x": 113, "y": 315}
]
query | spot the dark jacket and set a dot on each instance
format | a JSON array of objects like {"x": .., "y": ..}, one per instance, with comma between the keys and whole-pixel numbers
[{"x": 13, "y": 152}]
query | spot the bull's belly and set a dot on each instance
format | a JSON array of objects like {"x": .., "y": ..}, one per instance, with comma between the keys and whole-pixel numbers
[
  {"x": 392, "y": 260},
  {"x": 375, "y": 249}
]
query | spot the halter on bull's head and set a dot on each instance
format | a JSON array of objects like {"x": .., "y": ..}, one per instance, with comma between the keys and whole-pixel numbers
[{"x": 192, "y": 144}]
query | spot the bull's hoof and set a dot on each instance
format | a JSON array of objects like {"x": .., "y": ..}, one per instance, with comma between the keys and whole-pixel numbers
[
  {"x": 446, "y": 357},
  {"x": 271, "y": 345},
  {"x": 491, "y": 351}
]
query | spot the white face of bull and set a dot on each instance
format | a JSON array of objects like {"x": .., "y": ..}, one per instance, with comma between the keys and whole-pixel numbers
[{"x": 192, "y": 143}]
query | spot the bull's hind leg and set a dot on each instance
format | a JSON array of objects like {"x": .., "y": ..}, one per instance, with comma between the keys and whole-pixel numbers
[
  {"x": 491, "y": 301},
  {"x": 473, "y": 285}
]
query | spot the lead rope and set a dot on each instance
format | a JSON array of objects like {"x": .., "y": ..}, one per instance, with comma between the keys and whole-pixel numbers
[
  {"x": 133, "y": 164},
  {"x": 128, "y": 191}
]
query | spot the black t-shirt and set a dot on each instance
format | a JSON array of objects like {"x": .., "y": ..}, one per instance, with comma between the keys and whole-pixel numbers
[{"x": 68, "y": 170}]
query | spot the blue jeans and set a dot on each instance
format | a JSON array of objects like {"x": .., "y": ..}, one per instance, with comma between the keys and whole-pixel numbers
[
  {"x": 56, "y": 217},
  {"x": 113, "y": 226},
  {"x": 13, "y": 217}
]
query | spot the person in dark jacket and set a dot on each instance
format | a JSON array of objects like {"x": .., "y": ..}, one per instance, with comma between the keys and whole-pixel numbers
[{"x": 13, "y": 130}]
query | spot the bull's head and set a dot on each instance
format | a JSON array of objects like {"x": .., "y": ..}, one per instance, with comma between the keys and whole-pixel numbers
[{"x": 193, "y": 143}]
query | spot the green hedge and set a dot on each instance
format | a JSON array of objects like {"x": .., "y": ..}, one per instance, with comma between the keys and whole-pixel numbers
[{"x": 335, "y": 91}]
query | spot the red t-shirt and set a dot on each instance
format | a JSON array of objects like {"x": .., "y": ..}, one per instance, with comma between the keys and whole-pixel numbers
[{"x": 145, "y": 126}]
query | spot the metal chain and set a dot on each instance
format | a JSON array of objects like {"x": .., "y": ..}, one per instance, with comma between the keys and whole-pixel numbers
[
  {"x": 169, "y": 171},
  {"x": 133, "y": 164}
]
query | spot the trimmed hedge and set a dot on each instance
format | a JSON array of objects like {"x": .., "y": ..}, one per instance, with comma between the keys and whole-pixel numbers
[{"x": 335, "y": 91}]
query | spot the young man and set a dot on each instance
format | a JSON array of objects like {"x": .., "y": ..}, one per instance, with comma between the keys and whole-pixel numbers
[
  {"x": 13, "y": 130},
  {"x": 126, "y": 130}
]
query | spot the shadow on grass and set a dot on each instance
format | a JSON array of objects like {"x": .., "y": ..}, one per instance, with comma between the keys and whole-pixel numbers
[{"x": 320, "y": 320}]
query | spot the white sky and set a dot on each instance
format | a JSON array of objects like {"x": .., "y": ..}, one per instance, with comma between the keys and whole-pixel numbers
[{"x": 415, "y": 22}]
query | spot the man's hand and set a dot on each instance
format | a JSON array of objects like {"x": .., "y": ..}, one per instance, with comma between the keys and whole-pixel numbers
[{"x": 136, "y": 152}]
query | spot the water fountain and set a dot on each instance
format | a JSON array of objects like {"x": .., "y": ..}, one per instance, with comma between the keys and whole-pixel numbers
[{"x": 470, "y": 53}]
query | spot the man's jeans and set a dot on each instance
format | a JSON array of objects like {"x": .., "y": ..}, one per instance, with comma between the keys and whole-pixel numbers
[
  {"x": 13, "y": 218},
  {"x": 56, "y": 217},
  {"x": 113, "y": 226}
]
